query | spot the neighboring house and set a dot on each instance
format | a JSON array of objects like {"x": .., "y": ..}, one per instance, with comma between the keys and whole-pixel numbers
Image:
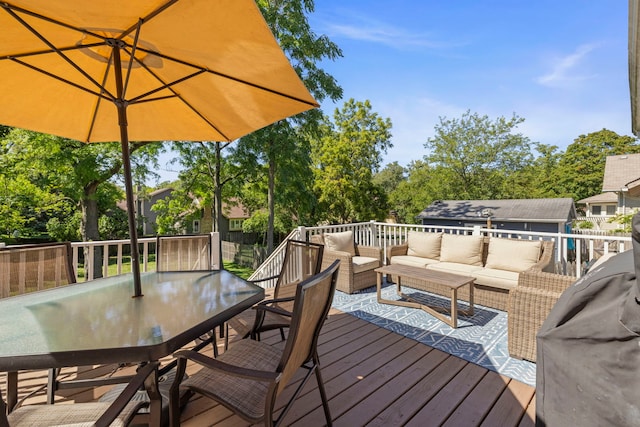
[
  {"x": 234, "y": 214},
  {"x": 545, "y": 215},
  {"x": 620, "y": 192}
]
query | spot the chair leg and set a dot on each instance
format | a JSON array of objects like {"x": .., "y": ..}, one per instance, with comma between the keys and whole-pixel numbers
[
  {"x": 52, "y": 384},
  {"x": 323, "y": 396},
  {"x": 174, "y": 394},
  {"x": 214, "y": 342},
  {"x": 282, "y": 334}
]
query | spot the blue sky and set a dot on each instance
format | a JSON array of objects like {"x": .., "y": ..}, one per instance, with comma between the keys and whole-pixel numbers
[{"x": 559, "y": 64}]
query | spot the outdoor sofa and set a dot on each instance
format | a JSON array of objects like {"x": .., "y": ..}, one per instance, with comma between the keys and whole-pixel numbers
[{"x": 495, "y": 263}]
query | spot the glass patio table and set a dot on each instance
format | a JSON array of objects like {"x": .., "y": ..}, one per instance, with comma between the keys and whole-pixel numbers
[{"x": 99, "y": 322}]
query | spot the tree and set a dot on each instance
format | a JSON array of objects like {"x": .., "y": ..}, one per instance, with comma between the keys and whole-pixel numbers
[
  {"x": 414, "y": 194},
  {"x": 277, "y": 144},
  {"x": 475, "y": 158},
  {"x": 581, "y": 169},
  {"x": 347, "y": 155},
  {"x": 66, "y": 175},
  {"x": 390, "y": 177}
]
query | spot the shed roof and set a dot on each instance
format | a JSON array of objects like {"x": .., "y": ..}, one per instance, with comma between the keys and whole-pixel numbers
[{"x": 529, "y": 210}]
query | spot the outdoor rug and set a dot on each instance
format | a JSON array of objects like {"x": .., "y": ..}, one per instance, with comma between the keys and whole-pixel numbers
[{"x": 480, "y": 339}]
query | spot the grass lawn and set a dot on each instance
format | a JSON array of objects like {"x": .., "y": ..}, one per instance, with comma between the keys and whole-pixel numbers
[{"x": 236, "y": 269}]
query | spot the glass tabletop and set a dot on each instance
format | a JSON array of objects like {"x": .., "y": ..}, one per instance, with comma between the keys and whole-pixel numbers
[{"x": 99, "y": 320}]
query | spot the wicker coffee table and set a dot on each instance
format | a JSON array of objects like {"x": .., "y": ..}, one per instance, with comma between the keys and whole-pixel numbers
[{"x": 452, "y": 281}]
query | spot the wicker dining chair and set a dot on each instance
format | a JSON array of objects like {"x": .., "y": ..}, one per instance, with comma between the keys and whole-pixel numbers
[
  {"x": 101, "y": 414},
  {"x": 184, "y": 253},
  {"x": 301, "y": 261},
  {"x": 36, "y": 267},
  {"x": 249, "y": 377},
  {"x": 192, "y": 252}
]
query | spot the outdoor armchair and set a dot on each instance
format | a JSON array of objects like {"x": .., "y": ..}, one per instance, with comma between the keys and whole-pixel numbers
[
  {"x": 118, "y": 413},
  {"x": 357, "y": 262},
  {"x": 249, "y": 377},
  {"x": 529, "y": 305},
  {"x": 301, "y": 261}
]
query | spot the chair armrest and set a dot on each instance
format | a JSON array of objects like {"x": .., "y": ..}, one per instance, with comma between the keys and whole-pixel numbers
[
  {"x": 369, "y": 251},
  {"x": 233, "y": 370},
  {"x": 147, "y": 376},
  {"x": 534, "y": 278},
  {"x": 397, "y": 250},
  {"x": 264, "y": 279}
]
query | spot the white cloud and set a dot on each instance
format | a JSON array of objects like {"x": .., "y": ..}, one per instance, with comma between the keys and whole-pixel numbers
[{"x": 567, "y": 69}]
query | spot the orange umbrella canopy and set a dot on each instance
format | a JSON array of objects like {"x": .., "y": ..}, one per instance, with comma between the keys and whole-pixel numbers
[
  {"x": 143, "y": 70},
  {"x": 191, "y": 69}
]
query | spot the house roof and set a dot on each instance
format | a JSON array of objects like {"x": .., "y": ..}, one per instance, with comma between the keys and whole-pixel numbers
[
  {"x": 608, "y": 197},
  {"x": 529, "y": 210},
  {"x": 621, "y": 171},
  {"x": 234, "y": 210}
]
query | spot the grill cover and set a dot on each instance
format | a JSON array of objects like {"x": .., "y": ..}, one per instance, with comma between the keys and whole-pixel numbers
[{"x": 588, "y": 369}]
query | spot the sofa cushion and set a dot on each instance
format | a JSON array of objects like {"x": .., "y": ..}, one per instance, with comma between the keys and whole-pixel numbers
[
  {"x": 495, "y": 278},
  {"x": 342, "y": 242},
  {"x": 426, "y": 245},
  {"x": 364, "y": 263},
  {"x": 513, "y": 255},
  {"x": 455, "y": 268},
  {"x": 414, "y": 261},
  {"x": 462, "y": 249}
]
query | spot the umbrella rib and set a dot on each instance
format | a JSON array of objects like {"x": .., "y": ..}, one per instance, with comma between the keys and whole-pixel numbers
[
  {"x": 54, "y": 49},
  {"x": 70, "y": 83}
]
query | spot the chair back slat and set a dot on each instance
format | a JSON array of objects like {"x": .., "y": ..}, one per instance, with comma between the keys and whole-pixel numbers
[
  {"x": 28, "y": 268},
  {"x": 302, "y": 260},
  {"x": 311, "y": 307},
  {"x": 183, "y": 253}
]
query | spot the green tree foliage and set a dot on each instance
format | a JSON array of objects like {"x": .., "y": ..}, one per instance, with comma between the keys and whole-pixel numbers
[
  {"x": 581, "y": 169},
  {"x": 278, "y": 146},
  {"x": 390, "y": 177},
  {"x": 347, "y": 156},
  {"x": 414, "y": 194},
  {"x": 475, "y": 157}
]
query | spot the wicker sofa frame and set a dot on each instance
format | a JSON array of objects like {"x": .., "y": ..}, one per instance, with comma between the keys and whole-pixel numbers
[
  {"x": 529, "y": 305},
  {"x": 484, "y": 295}
]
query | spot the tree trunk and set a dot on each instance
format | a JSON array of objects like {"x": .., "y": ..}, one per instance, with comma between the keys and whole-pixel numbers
[
  {"x": 89, "y": 230},
  {"x": 217, "y": 199},
  {"x": 271, "y": 204}
]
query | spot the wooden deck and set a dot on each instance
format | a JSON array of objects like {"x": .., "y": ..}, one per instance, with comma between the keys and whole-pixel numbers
[{"x": 374, "y": 377}]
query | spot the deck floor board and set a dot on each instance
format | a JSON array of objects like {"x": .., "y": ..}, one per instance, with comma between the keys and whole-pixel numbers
[{"x": 372, "y": 377}]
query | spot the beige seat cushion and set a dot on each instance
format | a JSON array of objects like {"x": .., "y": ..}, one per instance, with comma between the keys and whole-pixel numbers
[
  {"x": 364, "y": 263},
  {"x": 342, "y": 242},
  {"x": 462, "y": 249},
  {"x": 426, "y": 245},
  {"x": 501, "y": 279},
  {"x": 414, "y": 261},
  {"x": 455, "y": 268},
  {"x": 513, "y": 255}
]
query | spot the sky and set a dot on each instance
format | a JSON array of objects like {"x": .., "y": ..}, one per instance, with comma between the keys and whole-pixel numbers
[{"x": 561, "y": 65}]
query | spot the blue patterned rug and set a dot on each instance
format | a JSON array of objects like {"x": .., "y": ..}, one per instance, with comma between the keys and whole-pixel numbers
[{"x": 480, "y": 339}]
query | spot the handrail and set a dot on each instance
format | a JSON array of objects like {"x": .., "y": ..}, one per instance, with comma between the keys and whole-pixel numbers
[{"x": 573, "y": 252}]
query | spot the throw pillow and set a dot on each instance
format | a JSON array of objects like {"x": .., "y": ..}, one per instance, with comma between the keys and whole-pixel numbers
[
  {"x": 342, "y": 241},
  {"x": 462, "y": 249},
  {"x": 513, "y": 255},
  {"x": 425, "y": 245}
]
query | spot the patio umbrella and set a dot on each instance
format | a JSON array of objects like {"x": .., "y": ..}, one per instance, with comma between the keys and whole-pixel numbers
[{"x": 143, "y": 70}]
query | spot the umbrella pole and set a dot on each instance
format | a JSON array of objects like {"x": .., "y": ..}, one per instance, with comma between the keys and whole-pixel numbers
[{"x": 126, "y": 164}]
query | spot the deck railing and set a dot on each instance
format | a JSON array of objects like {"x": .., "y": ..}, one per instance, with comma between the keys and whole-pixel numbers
[{"x": 573, "y": 252}]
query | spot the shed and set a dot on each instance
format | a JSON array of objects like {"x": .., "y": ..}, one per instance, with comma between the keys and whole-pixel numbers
[{"x": 537, "y": 215}]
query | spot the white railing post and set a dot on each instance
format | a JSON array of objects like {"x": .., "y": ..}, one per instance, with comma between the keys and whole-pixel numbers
[{"x": 215, "y": 250}]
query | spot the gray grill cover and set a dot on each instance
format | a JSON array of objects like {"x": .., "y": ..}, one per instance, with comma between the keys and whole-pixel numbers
[{"x": 588, "y": 369}]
